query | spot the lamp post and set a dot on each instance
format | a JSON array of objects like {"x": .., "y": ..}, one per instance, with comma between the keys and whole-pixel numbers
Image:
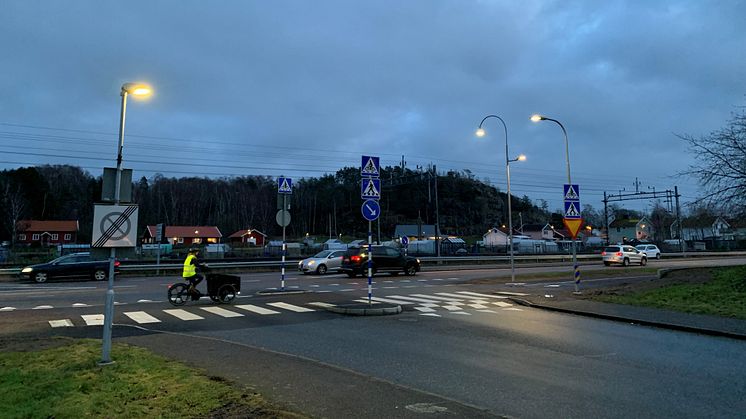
[
  {"x": 137, "y": 90},
  {"x": 480, "y": 133},
  {"x": 537, "y": 118}
]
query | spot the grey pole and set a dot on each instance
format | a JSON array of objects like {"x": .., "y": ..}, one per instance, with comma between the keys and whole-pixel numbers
[{"x": 109, "y": 304}]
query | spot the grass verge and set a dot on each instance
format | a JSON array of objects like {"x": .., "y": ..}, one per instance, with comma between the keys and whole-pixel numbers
[
  {"x": 66, "y": 382},
  {"x": 722, "y": 293}
]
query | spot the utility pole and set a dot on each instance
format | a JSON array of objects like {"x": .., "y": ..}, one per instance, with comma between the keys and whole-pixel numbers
[{"x": 437, "y": 215}]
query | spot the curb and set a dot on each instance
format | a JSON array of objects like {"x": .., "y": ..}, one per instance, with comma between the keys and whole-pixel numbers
[
  {"x": 663, "y": 325},
  {"x": 279, "y": 292},
  {"x": 366, "y": 310}
]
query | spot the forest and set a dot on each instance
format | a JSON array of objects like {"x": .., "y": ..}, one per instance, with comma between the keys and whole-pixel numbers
[{"x": 320, "y": 206}]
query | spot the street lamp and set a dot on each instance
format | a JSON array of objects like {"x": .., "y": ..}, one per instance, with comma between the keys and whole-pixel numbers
[
  {"x": 481, "y": 133},
  {"x": 136, "y": 90},
  {"x": 537, "y": 118}
]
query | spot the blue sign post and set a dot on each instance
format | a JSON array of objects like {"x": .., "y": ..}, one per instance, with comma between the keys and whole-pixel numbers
[
  {"x": 404, "y": 240},
  {"x": 573, "y": 221},
  {"x": 370, "y": 191},
  {"x": 284, "y": 188}
]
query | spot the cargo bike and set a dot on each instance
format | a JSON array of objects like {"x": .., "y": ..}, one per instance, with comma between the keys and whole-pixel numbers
[{"x": 221, "y": 288}]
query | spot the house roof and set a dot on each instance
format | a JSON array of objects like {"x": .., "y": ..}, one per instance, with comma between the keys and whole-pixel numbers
[
  {"x": 188, "y": 231},
  {"x": 245, "y": 232},
  {"x": 705, "y": 221},
  {"x": 70, "y": 226}
]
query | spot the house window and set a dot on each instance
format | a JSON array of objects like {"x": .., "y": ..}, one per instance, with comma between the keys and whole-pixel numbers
[
  {"x": 212, "y": 240},
  {"x": 35, "y": 237},
  {"x": 196, "y": 240},
  {"x": 68, "y": 236},
  {"x": 180, "y": 240},
  {"x": 55, "y": 236},
  {"x": 21, "y": 237}
]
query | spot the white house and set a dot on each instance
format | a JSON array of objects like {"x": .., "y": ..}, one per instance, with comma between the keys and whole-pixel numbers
[{"x": 495, "y": 237}]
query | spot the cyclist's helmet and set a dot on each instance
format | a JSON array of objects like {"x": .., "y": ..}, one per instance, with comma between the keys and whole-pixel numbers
[{"x": 194, "y": 250}]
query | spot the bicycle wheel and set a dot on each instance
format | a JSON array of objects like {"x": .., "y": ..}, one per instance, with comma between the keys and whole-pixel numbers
[
  {"x": 226, "y": 293},
  {"x": 178, "y": 294}
]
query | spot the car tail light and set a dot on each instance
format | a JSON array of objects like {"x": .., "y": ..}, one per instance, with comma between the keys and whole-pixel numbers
[
  {"x": 355, "y": 258},
  {"x": 619, "y": 253},
  {"x": 117, "y": 263},
  {"x": 603, "y": 253}
]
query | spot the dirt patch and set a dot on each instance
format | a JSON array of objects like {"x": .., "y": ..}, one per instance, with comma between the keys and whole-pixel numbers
[{"x": 687, "y": 276}]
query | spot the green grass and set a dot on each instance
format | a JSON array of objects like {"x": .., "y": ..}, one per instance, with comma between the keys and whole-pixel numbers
[
  {"x": 723, "y": 295},
  {"x": 66, "y": 382}
]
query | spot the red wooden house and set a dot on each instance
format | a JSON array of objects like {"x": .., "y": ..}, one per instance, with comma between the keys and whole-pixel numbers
[
  {"x": 248, "y": 236},
  {"x": 185, "y": 235},
  {"x": 46, "y": 232}
]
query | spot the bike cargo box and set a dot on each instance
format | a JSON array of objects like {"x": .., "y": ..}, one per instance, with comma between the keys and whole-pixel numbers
[{"x": 215, "y": 281}]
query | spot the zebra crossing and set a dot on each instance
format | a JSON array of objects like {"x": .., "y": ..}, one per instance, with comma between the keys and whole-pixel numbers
[{"x": 438, "y": 304}]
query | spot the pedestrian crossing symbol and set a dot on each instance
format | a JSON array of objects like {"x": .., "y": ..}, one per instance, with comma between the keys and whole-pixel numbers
[
  {"x": 572, "y": 193},
  {"x": 572, "y": 209},
  {"x": 284, "y": 185},
  {"x": 370, "y": 188},
  {"x": 370, "y": 166}
]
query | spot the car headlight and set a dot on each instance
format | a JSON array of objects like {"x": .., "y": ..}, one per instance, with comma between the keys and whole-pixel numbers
[
  {"x": 27, "y": 270},
  {"x": 311, "y": 263},
  {"x": 418, "y": 261}
]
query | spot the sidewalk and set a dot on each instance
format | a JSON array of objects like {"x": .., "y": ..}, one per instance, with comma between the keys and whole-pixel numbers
[{"x": 696, "y": 323}]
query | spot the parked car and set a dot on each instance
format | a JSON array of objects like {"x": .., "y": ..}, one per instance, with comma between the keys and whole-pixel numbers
[
  {"x": 75, "y": 265},
  {"x": 385, "y": 259},
  {"x": 623, "y": 255},
  {"x": 322, "y": 262},
  {"x": 650, "y": 250}
]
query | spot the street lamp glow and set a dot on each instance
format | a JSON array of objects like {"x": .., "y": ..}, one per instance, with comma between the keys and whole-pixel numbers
[
  {"x": 480, "y": 132},
  {"x": 522, "y": 157},
  {"x": 137, "y": 89},
  {"x": 536, "y": 117}
]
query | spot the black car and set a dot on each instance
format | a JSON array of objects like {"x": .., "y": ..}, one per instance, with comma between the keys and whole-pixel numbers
[
  {"x": 385, "y": 259},
  {"x": 76, "y": 265}
]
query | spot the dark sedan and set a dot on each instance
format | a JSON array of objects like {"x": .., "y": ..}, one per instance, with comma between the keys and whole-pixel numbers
[
  {"x": 76, "y": 265},
  {"x": 385, "y": 259}
]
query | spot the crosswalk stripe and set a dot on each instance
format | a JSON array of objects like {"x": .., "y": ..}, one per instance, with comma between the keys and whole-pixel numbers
[
  {"x": 80, "y": 305},
  {"x": 93, "y": 319},
  {"x": 476, "y": 294},
  {"x": 430, "y": 314},
  {"x": 502, "y": 304},
  {"x": 463, "y": 313},
  {"x": 392, "y": 301},
  {"x": 183, "y": 314},
  {"x": 519, "y": 294},
  {"x": 457, "y": 296},
  {"x": 290, "y": 307},
  {"x": 477, "y": 306},
  {"x": 419, "y": 300},
  {"x": 434, "y": 297},
  {"x": 256, "y": 309},
  {"x": 221, "y": 312},
  {"x": 141, "y": 317},
  {"x": 487, "y": 311},
  {"x": 453, "y": 308},
  {"x": 513, "y": 309},
  {"x": 45, "y": 307},
  {"x": 61, "y": 323},
  {"x": 321, "y": 304},
  {"x": 424, "y": 309},
  {"x": 7, "y": 309}
]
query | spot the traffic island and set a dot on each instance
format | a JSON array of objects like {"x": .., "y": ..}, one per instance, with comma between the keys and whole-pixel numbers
[
  {"x": 274, "y": 291},
  {"x": 363, "y": 309}
]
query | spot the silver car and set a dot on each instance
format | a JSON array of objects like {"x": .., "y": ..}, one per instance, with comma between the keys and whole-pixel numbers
[
  {"x": 322, "y": 262},
  {"x": 650, "y": 250},
  {"x": 623, "y": 255}
]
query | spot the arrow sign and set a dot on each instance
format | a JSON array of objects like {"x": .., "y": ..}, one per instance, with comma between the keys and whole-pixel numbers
[
  {"x": 572, "y": 209},
  {"x": 284, "y": 185},
  {"x": 370, "y": 166},
  {"x": 404, "y": 240},
  {"x": 371, "y": 210},
  {"x": 370, "y": 188},
  {"x": 573, "y": 225}
]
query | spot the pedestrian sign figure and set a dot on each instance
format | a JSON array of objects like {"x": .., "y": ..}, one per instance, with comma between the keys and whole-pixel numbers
[
  {"x": 284, "y": 185},
  {"x": 370, "y": 166},
  {"x": 370, "y": 188}
]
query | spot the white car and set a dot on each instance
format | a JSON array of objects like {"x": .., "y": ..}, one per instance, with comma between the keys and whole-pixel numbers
[
  {"x": 322, "y": 262},
  {"x": 650, "y": 250}
]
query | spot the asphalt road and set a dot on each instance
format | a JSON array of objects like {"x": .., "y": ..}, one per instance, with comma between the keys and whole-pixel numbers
[{"x": 458, "y": 337}]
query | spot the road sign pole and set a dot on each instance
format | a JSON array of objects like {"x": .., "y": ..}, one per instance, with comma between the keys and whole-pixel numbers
[
  {"x": 284, "y": 206},
  {"x": 370, "y": 263}
]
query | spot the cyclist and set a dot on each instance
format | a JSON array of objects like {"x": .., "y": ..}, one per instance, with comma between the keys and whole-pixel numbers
[{"x": 190, "y": 272}]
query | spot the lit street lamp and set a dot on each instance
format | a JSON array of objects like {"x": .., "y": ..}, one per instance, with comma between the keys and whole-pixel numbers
[
  {"x": 481, "y": 133},
  {"x": 137, "y": 90},
  {"x": 537, "y": 118}
]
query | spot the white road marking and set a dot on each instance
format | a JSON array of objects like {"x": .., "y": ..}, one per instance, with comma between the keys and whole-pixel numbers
[
  {"x": 183, "y": 314},
  {"x": 365, "y": 301},
  {"x": 80, "y": 305},
  {"x": 458, "y": 296},
  {"x": 453, "y": 308},
  {"x": 290, "y": 307},
  {"x": 42, "y": 308},
  {"x": 405, "y": 280},
  {"x": 321, "y": 304},
  {"x": 388, "y": 282},
  {"x": 141, "y": 317},
  {"x": 347, "y": 290},
  {"x": 144, "y": 301},
  {"x": 333, "y": 285},
  {"x": 117, "y": 303},
  {"x": 433, "y": 297},
  {"x": 424, "y": 309},
  {"x": 437, "y": 279},
  {"x": 256, "y": 309},
  {"x": 323, "y": 291},
  {"x": 390, "y": 288},
  {"x": 477, "y": 306},
  {"x": 93, "y": 319},
  {"x": 476, "y": 294},
  {"x": 352, "y": 283},
  {"x": 390, "y": 300},
  {"x": 513, "y": 309},
  {"x": 221, "y": 312},
  {"x": 410, "y": 286},
  {"x": 7, "y": 309},
  {"x": 552, "y": 286},
  {"x": 430, "y": 314},
  {"x": 502, "y": 304},
  {"x": 61, "y": 323},
  {"x": 519, "y": 294},
  {"x": 487, "y": 311},
  {"x": 454, "y": 278},
  {"x": 419, "y": 300},
  {"x": 314, "y": 286},
  {"x": 461, "y": 312},
  {"x": 422, "y": 280}
]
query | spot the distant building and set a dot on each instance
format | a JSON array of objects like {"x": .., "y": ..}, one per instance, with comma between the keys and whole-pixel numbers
[
  {"x": 46, "y": 232},
  {"x": 630, "y": 229},
  {"x": 185, "y": 235},
  {"x": 248, "y": 236},
  {"x": 707, "y": 227},
  {"x": 416, "y": 231},
  {"x": 538, "y": 231}
]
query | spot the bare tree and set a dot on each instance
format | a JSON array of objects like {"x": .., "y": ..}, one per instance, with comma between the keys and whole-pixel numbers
[
  {"x": 721, "y": 164},
  {"x": 15, "y": 204}
]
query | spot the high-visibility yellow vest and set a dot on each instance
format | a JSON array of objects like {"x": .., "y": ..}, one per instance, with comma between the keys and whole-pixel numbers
[{"x": 189, "y": 268}]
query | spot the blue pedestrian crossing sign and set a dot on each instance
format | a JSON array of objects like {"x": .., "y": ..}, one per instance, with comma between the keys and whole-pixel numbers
[
  {"x": 572, "y": 192},
  {"x": 370, "y": 188},
  {"x": 370, "y": 166},
  {"x": 371, "y": 210},
  {"x": 572, "y": 209},
  {"x": 284, "y": 185}
]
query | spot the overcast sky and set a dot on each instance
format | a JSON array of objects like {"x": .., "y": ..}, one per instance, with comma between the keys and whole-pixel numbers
[{"x": 303, "y": 88}]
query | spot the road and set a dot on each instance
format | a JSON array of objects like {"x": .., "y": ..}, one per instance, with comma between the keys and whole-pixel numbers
[{"x": 458, "y": 337}]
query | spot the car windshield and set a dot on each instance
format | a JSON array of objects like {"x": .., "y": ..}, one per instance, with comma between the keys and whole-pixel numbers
[
  {"x": 323, "y": 254},
  {"x": 612, "y": 249}
]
